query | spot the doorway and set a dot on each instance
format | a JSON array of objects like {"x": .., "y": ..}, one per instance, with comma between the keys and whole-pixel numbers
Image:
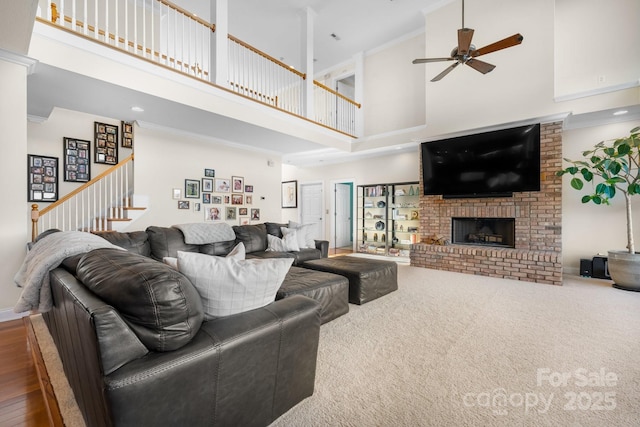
[
  {"x": 311, "y": 207},
  {"x": 342, "y": 217}
]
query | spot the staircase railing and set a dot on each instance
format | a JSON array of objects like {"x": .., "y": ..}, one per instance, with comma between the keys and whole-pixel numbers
[
  {"x": 91, "y": 206},
  {"x": 169, "y": 36}
]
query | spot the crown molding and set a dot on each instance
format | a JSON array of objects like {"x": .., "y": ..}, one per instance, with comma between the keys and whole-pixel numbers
[{"x": 16, "y": 58}]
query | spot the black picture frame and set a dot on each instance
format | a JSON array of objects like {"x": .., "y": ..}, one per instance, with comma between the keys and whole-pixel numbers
[
  {"x": 289, "y": 194},
  {"x": 76, "y": 160},
  {"x": 106, "y": 143},
  {"x": 127, "y": 134},
  {"x": 42, "y": 178}
]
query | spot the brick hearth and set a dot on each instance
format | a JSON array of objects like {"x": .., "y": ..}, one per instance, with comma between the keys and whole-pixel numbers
[{"x": 537, "y": 255}]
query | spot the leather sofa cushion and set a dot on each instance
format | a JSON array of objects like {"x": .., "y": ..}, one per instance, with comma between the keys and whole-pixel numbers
[
  {"x": 274, "y": 228},
  {"x": 135, "y": 241},
  {"x": 254, "y": 237},
  {"x": 159, "y": 303},
  {"x": 167, "y": 241}
]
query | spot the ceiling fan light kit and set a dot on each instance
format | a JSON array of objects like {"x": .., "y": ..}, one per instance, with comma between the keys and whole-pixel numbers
[{"x": 466, "y": 53}]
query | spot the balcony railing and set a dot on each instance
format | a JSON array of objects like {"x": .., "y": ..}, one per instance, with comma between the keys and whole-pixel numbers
[{"x": 168, "y": 35}]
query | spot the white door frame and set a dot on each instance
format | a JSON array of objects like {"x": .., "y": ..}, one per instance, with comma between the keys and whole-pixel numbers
[
  {"x": 300, "y": 200},
  {"x": 332, "y": 219}
]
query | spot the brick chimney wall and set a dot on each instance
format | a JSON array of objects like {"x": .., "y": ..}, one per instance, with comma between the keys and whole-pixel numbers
[{"x": 537, "y": 256}]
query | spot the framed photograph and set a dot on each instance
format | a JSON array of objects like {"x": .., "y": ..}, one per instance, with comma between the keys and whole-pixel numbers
[
  {"x": 207, "y": 185},
  {"x": 290, "y": 194},
  {"x": 227, "y": 200},
  {"x": 238, "y": 184},
  {"x": 183, "y": 204},
  {"x": 42, "y": 178},
  {"x": 206, "y": 198},
  {"x": 222, "y": 185},
  {"x": 106, "y": 143},
  {"x": 212, "y": 214},
  {"x": 237, "y": 199},
  {"x": 196, "y": 207},
  {"x": 248, "y": 200},
  {"x": 77, "y": 160},
  {"x": 176, "y": 194},
  {"x": 230, "y": 213},
  {"x": 191, "y": 188},
  {"x": 216, "y": 200},
  {"x": 248, "y": 188},
  {"x": 255, "y": 214},
  {"x": 243, "y": 220},
  {"x": 243, "y": 211},
  {"x": 209, "y": 173},
  {"x": 127, "y": 134}
]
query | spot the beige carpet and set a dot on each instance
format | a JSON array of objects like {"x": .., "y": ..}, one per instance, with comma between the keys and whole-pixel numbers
[{"x": 450, "y": 349}]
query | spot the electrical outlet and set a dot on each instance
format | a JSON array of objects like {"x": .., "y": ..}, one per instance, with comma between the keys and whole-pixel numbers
[{"x": 602, "y": 79}]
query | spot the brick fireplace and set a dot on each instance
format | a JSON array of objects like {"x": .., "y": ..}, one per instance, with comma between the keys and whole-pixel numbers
[{"x": 536, "y": 254}]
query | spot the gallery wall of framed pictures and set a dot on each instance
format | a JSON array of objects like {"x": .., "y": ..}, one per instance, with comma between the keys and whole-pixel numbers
[
  {"x": 45, "y": 172},
  {"x": 221, "y": 199}
]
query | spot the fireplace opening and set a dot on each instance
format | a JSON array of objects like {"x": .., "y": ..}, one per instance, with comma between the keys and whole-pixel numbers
[{"x": 484, "y": 231}]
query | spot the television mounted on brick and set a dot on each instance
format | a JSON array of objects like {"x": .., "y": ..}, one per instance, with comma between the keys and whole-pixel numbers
[{"x": 489, "y": 164}]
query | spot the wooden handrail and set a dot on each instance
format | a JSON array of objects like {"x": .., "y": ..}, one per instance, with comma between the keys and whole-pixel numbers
[
  {"x": 338, "y": 94},
  {"x": 85, "y": 185},
  {"x": 267, "y": 56},
  {"x": 188, "y": 14}
]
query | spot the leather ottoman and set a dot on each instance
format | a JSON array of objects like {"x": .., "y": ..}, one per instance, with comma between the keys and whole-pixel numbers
[
  {"x": 368, "y": 278},
  {"x": 330, "y": 290}
]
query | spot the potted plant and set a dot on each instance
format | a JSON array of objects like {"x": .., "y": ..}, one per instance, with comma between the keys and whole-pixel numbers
[{"x": 613, "y": 167}]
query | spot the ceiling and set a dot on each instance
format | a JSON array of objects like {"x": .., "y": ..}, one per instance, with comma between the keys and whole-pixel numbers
[
  {"x": 271, "y": 26},
  {"x": 359, "y": 25}
]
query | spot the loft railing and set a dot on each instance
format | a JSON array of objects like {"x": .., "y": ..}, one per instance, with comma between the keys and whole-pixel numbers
[
  {"x": 165, "y": 34},
  {"x": 91, "y": 206},
  {"x": 334, "y": 110}
]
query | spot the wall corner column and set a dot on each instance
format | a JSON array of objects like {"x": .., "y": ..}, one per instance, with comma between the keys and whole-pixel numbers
[
  {"x": 220, "y": 54},
  {"x": 16, "y": 222},
  {"x": 306, "y": 58}
]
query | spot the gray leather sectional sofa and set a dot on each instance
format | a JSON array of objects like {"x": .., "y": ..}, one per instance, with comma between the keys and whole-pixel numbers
[{"x": 147, "y": 357}]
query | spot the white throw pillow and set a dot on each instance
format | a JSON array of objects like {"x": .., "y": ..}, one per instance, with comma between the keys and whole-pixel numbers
[
  {"x": 228, "y": 286},
  {"x": 305, "y": 239},
  {"x": 171, "y": 262},
  {"x": 288, "y": 243}
]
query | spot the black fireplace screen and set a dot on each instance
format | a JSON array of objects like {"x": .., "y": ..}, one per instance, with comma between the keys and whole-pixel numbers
[{"x": 484, "y": 231}]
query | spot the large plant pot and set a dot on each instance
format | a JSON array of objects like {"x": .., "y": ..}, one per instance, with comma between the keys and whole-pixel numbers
[{"x": 624, "y": 269}]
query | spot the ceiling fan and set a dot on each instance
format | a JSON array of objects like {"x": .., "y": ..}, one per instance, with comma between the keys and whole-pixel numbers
[{"x": 466, "y": 53}]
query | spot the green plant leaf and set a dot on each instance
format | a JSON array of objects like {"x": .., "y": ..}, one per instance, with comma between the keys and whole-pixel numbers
[
  {"x": 597, "y": 200},
  {"x": 577, "y": 183},
  {"x": 624, "y": 149},
  {"x": 586, "y": 174},
  {"x": 610, "y": 151},
  {"x": 601, "y": 188},
  {"x": 572, "y": 170}
]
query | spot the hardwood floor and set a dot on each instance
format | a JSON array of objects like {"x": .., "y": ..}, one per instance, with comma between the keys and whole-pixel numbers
[{"x": 21, "y": 400}]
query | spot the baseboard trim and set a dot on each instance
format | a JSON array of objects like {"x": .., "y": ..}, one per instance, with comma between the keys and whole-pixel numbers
[{"x": 8, "y": 314}]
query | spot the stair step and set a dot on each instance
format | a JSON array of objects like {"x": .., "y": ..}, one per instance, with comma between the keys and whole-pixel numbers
[
  {"x": 133, "y": 208},
  {"x": 118, "y": 219}
]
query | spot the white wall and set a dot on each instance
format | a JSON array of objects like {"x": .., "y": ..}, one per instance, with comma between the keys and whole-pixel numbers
[
  {"x": 15, "y": 210},
  {"x": 589, "y": 229},
  {"x": 394, "y": 88},
  {"x": 593, "y": 50},
  {"x": 401, "y": 167},
  {"x": 164, "y": 161}
]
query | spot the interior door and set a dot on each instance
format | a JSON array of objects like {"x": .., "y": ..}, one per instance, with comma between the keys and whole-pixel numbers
[
  {"x": 311, "y": 208},
  {"x": 343, "y": 211}
]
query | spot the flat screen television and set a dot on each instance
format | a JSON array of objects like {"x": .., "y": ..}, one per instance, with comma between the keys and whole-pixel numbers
[{"x": 489, "y": 164}]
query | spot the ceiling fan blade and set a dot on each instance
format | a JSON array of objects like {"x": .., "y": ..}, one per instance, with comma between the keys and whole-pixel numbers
[
  {"x": 445, "y": 72},
  {"x": 483, "y": 67},
  {"x": 464, "y": 40},
  {"x": 502, "y": 44},
  {"x": 424, "y": 60}
]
